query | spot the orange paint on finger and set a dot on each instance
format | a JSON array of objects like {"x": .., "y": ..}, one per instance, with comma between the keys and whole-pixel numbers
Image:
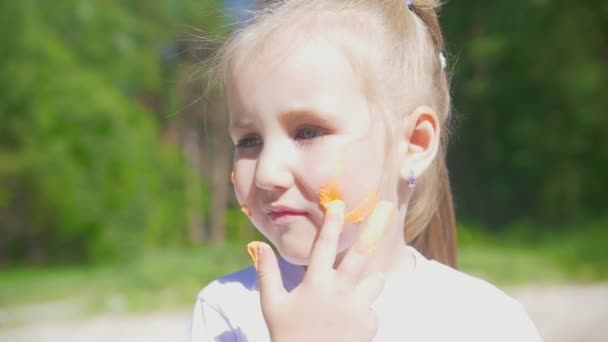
[
  {"x": 245, "y": 210},
  {"x": 252, "y": 248}
]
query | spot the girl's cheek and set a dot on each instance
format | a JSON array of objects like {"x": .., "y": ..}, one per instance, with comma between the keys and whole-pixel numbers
[
  {"x": 241, "y": 178},
  {"x": 317, "y": 170},
  {"x": 339, "y": 174}
]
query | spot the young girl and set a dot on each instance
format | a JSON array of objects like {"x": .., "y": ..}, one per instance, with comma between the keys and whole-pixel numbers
[{"x": 338, "y": 112}]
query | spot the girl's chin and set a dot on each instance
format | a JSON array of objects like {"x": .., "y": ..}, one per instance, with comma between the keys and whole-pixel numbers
[
  {"x": 296, "y": 255},
  {"x": 300, "y": 254},
  {"x": 294, "y": 260}
]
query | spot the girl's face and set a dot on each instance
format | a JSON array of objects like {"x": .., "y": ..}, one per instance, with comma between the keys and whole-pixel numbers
[{"x": 300, "y": 121}]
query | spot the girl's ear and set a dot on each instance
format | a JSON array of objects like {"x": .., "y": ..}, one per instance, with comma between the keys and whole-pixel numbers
[{"x": 420, "y": 139}]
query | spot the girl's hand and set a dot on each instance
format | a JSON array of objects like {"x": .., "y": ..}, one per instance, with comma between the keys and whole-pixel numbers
[{"x": 330, "y": 304}]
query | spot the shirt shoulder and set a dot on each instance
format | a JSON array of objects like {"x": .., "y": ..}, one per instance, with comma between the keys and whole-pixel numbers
[
  {"x": 228, "y": 309},
  {"x": 469, "y": 301},
  {"x": 217, "y": 315},
  {"x": 229, "y": 286}
]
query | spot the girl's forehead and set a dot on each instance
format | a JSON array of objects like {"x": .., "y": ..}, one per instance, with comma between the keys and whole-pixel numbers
[
  {"x": 313, "y": 63},
  {"x": 314, "y": 77},
  {"x": 348, "y": 32}
]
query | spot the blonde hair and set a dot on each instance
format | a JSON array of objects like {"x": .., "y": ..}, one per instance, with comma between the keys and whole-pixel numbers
[{"x": 399, "y": 59}]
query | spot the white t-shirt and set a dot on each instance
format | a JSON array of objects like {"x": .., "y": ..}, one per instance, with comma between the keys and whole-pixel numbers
[{"x": 434, "y": 303}]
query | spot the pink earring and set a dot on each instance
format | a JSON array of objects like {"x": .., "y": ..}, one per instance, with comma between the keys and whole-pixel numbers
[{"x": 411, "y": 180}]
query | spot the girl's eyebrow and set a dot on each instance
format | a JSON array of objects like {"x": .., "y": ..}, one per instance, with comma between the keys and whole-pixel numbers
[
  {"x": 322, "y": 118},
  {"x": 285, "y": 118},
  {"x": 239, "y": 125}
]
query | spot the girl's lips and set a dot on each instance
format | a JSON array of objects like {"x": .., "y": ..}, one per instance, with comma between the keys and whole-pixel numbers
[{"x": 285, "y": 215}]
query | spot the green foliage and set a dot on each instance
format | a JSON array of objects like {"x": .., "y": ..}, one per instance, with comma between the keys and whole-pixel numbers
[
  {"x": 83, "y": 171},
  {"x": 88, "y": 85},
  {"x": 529, "y": 88}
]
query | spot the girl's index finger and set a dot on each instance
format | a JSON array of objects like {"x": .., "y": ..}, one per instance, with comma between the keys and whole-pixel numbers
[
  {"x": 323, "y": 254},
  {"x": 269, "y": 275}
]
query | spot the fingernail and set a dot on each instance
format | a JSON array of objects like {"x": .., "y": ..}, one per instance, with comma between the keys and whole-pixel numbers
[
  {"x": 253, "y": 249},
  {"x": 376, "y": 225}
]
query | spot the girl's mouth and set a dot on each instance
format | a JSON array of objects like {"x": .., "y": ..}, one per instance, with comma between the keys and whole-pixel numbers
[{"x": 282, "y": 214}]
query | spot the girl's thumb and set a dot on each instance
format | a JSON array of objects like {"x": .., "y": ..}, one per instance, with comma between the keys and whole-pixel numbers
[{"x": 269, "y": 274}]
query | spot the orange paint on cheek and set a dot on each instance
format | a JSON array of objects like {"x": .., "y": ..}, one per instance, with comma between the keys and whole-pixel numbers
[
  {"x": 328, "y": 193},
  {"x": 378, "y": 222},
  {"x": 246, "y": 211},
  {"x": 363, "y": 210},
  {"x": 331, "y": 192}
]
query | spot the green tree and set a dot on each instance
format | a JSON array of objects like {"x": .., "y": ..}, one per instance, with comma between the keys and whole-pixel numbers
[
  {"x": 83, "y": 170},
  {"x": 530, "y": 85}
]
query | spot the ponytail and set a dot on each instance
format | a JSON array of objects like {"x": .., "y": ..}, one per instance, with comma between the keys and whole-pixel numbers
[{"x": 430, "y": 225}]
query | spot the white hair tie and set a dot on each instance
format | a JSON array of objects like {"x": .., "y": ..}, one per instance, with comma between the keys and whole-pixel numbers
[{"x": 442, "y": 59}]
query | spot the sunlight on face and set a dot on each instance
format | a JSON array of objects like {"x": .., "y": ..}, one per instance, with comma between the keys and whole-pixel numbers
[{"x": 293, "y": 118}]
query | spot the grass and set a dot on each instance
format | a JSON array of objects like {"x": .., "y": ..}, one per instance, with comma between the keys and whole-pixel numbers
[
  {"x": 159, "y": 280},
  {"x": 517, "y": 257},
  {"x": 166, "y": 280},
  {"x": 511, "y": 266}
]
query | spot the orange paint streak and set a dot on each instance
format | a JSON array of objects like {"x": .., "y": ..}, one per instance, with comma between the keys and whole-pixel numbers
[
  {"x": 331, "y": 192},
  {"x": 328, "y": 193},
  {"x": 246, "y": 211},
  {"x": 377, "y": 224},
  {"x": 363, "y": 210},
  {"x": 232, "y": 177}
]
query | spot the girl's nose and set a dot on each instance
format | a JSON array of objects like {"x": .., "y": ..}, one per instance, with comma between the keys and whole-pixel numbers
[{"x": 273, "y": 170}]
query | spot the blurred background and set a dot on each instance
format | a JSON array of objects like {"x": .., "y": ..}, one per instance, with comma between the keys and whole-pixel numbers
[{"x": 115, "y": 200}]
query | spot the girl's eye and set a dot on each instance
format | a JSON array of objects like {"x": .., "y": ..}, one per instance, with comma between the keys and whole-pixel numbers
[
  {"x": 248, "y": 142},
  {"x": 307, "y": 133}
]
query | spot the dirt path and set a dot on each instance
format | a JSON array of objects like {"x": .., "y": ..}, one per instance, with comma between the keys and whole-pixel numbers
[
  {"x": 562, "y": 314},
  {"x": 116, "y": 328},
  {"x": 568, "y": 313}
]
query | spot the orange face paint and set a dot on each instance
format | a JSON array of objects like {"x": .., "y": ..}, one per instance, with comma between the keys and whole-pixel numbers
[
  {"x": 246, "y": 211},
  {"x": 331, "y": 192},
  {"x": 378, "y": 222},
  {"x": 328, "y": 193},
  {"x": 363, "y": 210}
]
